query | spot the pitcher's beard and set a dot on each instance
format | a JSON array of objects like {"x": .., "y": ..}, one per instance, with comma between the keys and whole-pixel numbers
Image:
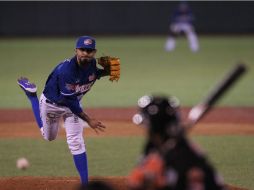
[{"x": 84, "y": 61}]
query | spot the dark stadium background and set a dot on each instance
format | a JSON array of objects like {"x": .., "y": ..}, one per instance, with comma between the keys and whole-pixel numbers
[{"x": 119, "y": 18}]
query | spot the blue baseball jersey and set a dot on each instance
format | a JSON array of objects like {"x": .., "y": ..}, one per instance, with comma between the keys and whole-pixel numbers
[
  {"x": 69, "y": 82},
  {"x": 182, "y": 16}
]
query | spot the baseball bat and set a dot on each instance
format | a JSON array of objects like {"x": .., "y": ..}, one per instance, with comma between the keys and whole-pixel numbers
[{"x": 201, "y": 109}]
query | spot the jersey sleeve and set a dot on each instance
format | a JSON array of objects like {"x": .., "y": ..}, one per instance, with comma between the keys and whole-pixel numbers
[
  {"x": 68, "y": 92},
  {"x": 101, "y": 73},
  {"x": 66, "y": 84},
  {"x": 73, "y": 103},
  {"x": 98, "y": 72}
]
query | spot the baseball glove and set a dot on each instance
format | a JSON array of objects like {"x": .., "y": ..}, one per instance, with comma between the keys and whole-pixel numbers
[{"x": 111, "y": 65}]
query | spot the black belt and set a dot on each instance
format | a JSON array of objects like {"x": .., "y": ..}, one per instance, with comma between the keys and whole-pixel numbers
[
  {"x": 50, "y": 102},
  {"x": 53, "y": 103}
]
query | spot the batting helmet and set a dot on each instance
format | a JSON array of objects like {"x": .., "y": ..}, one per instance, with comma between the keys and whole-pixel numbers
[{"x": 160, "y": 114}]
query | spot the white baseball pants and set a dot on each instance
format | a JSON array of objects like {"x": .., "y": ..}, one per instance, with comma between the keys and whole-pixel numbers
[
  {"x": 51, "y": 115},
  {"x": 189, "y": 32}
]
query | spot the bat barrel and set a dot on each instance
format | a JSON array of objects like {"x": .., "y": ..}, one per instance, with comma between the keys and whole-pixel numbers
[
  {"x": 225, "y": 84},
  {"x": 197, "y": 112}
]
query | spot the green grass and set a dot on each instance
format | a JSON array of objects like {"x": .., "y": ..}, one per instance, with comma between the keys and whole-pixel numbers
[
  {"x": 146, "y": 68},
  {"x": 107, "y": 156},
  {"x": 233, "y": 156}
]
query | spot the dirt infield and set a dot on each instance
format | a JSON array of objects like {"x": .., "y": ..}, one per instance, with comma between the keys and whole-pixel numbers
[
  {"x": 20, "y": 123},
  {"x": 221, "y": 121},
  {"x": 217, "y": 115},
  {"x": 62, "y": 183}
]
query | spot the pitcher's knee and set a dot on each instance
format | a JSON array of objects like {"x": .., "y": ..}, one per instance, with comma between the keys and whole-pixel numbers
[
  {"x": 76, "y": 146},
  {"x": 49, "y": 138}
]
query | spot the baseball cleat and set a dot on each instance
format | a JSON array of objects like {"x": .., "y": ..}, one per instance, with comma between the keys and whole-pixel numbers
[{"x": 27, "y": 86}]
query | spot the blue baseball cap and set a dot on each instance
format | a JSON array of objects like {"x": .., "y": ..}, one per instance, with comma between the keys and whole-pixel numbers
[{"x": 86, "y": 42}]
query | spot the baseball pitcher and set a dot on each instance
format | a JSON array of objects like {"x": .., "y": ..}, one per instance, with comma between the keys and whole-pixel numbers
[{"x": 61, "y": 98}]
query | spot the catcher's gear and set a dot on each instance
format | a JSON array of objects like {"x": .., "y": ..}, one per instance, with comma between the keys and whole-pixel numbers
[
  {"x": 111, "y": 65},
  {"x": 149, "y": 174},
  {"x": 162, "y": 114}
]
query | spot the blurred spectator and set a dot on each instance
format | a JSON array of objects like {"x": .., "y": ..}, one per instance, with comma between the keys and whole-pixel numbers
[
  {"x": 169, "y": 161},
  {"x": 182, "y": 22}
]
